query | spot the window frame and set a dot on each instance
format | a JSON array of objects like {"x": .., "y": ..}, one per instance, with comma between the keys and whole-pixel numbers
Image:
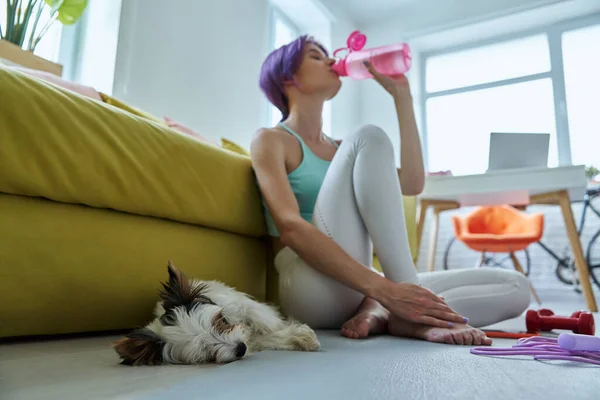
[
  {"x": 277, "y": 15},
  {"x": 554, "y": 34},
  {"x": 69, "y": 48}
]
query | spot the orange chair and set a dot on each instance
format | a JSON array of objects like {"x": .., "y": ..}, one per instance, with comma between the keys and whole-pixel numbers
[{"x": 499, "y": 229}]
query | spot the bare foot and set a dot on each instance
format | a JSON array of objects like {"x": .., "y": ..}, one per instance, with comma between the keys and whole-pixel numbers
[
  {"x": 459, "y": 334},
  {"x": 371, "y": 318}
]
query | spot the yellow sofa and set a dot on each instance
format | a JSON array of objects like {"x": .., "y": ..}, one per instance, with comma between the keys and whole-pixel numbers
[{"x": 95, "y": 200}]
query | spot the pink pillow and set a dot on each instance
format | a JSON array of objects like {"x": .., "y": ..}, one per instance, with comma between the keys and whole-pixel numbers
[
  {"x": 178, "y": 126},
  {"x": 58, "y": 81}
]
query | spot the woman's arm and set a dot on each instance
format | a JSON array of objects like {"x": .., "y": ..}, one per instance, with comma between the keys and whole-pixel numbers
[{"x": 412, "y": 171}]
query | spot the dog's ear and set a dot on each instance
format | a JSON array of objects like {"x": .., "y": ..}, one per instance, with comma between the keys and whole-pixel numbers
[
  {"x": 179, "y": 291},
  {"x": 140, "y": 347}
]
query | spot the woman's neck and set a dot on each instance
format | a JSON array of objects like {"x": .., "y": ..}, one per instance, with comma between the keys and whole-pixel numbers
[{"x": 306, "y": 120}]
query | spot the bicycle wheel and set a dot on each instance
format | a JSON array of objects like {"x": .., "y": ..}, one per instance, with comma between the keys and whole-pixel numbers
[
  {"x": 565, "y": 269},
  {"x": 447, "y": 252},
  {"x": 504, "y": 261},
  {"x": 493, "y": 260},
  {"x": 592, "y": 258}
]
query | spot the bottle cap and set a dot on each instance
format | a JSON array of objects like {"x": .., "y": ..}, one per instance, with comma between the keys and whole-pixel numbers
[{"x": 356, "y": 41}]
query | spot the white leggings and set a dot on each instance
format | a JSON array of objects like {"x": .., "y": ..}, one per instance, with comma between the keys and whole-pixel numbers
[{"x": 360, "y": 206}]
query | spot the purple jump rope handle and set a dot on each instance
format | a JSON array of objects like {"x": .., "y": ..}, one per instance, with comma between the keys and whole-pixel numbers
[
  {"x": 573, "y": 341},
  {"x": 568, "y": 346}
]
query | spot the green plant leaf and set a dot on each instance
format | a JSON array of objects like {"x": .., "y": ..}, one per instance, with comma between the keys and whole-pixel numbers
[
  {"x": 22, "y": 26},
  {"x": 69, "y": 11},
  {"x": 54, "y": 5},
  {"x": 18, "y": 34},
  {"x": 11, "y": 12},
  {"x": 19, "y": 6},
  {"x": 32, "y": 37},
  {"x": 17, "y": 20}
]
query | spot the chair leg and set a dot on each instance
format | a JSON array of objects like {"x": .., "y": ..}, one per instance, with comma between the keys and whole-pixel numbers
[
  {"x": 519, "y": 268},
  {"x": 481, "y": 260}
]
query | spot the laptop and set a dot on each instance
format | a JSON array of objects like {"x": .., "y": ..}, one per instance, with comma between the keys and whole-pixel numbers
[{"x": 518, "y": 150}]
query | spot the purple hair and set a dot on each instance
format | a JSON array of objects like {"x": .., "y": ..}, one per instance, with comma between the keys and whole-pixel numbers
[{"x": 279, "y": 67}]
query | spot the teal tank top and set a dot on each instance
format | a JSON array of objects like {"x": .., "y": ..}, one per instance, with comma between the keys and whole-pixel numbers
[{"x": 306, "y": 181}]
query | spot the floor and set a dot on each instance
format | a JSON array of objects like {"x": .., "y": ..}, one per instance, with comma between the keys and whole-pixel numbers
[{"x": 381, "y": 367}]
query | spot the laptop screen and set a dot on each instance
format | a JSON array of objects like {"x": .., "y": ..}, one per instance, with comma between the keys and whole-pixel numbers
[{"x": 518, "y": 150}]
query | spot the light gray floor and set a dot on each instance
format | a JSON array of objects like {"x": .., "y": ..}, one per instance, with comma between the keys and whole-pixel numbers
[{"x": 376, "y": 368}]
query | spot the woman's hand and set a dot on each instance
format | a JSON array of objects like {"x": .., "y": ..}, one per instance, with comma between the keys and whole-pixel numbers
[
  {"x": 417, "y": 304},
  {"x": 397, "y": 86}
]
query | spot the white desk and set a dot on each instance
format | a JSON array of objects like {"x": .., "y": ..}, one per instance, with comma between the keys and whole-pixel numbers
[{"x": 556, "y": 186}]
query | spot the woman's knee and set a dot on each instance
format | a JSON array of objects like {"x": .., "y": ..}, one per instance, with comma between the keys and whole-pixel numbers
[
  {"x": 373, "y": 135},
  {"x": 313, "y": 298},
  {"x": 521, "y": 296}
]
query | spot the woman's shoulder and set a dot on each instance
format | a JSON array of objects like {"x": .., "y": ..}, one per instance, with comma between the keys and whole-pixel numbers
[
  {"x": 267, "y": 139},
  {"x": 266, "y": 133},
  {"x": 270, "y": 136}
]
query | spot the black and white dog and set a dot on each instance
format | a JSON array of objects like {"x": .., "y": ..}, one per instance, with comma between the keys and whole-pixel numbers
[{"x": 201, "y": 322}]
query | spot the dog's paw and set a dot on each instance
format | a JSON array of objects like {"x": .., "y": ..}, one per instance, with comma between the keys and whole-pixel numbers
[{"x": 305, "y": 339}]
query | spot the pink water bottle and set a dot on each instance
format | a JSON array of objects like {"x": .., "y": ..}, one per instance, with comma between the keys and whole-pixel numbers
[{"x": 393, "y": 59}]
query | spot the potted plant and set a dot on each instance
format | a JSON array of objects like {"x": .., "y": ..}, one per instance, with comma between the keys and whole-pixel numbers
[
  {"x": 26, "y": 24},
  {"x": 22, "y": 26}
]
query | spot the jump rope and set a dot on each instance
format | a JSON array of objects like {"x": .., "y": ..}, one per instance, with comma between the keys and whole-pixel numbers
[{"x": 567, "y": 347}]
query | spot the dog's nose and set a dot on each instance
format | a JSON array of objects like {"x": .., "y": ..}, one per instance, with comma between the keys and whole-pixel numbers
[{"x": 240, "y": 351}]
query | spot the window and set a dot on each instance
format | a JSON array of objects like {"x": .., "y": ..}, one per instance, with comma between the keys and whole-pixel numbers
[
  {"x": 582, "y": 83},
  {"x": 49, "y": 46},
  {"x": 472, "y": 93},
  {"x": 518, "y": 85},
  {"x": 496, "y": 62},
  {"x": 459, "y": 124},
  {"x": 283, "y": 32}
]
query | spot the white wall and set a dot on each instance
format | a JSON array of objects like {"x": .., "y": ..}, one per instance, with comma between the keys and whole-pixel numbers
[
  {"x": 195, "y": 61},
  {"x": 345, "y": 107},
  {"x": 96, "y": 50},
  {"x": 199, "y": 62}
]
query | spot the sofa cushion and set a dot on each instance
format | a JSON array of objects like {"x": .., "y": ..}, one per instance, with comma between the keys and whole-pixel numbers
[
  {"x": 58, "y": 81},
  {"x": 232, "y": 146},
  {"x": 68, "y": 148},
  {"x": 178, "y": 126},
  {"x": 69, "y": 268},
  {"x": 129, "y": 108}
]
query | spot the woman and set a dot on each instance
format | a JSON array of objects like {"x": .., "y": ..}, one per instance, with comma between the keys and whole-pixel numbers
[{"x": 327, "y": 203}]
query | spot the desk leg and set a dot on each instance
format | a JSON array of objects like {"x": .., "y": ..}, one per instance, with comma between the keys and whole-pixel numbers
[
  {"x": 435, "y": 227},
  {"x": 438, "y": 207},
  {"x": 582, "y": 268},
  {"x": 423, "y": 206}
]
